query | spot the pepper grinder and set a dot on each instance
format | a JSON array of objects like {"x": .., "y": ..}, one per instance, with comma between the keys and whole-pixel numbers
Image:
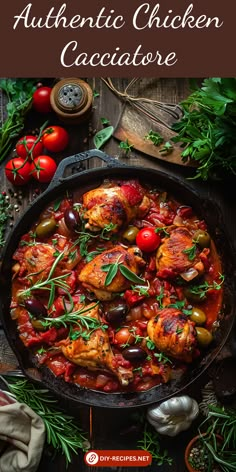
[{"x": 72, "y": 100}]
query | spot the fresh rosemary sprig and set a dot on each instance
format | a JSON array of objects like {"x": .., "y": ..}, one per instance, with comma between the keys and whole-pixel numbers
[
  {"x": 62, "y": 433},
  {"x": 50, "y": 283},
  {"x": 76, "y": 318},
  {"x": 220, "y": 421}
]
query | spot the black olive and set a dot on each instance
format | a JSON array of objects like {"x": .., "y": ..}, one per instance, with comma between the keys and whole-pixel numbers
[
  {"x": 36, "y": 308},
  {"x": 134, "y": 354},
  {"x": 117, "y": 313},
  {"x": 71, "y": 218}
]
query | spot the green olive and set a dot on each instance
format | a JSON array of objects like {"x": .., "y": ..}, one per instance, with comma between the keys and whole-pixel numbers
[
  {"x": 46, "y": 228},
  {"x": 198, "y": 316},
  {"x": 204, "y": 336},
  {"x": 37, "y": 324},
  {"x": 202, "y": 238},
  {"x": 193, "y": 297},
  {"x": 130, "y": 234}
]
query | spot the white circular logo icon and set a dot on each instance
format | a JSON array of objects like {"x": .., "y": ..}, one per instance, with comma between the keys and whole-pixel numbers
[{"x": 91, "y": 458}]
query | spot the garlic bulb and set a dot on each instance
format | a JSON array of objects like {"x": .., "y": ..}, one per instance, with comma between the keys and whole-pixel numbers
[{"x": 173, "y": 415}]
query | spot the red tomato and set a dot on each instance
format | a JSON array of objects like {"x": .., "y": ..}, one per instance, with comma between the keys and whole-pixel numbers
[
  {"x": 41, "y": 100},
  {"x": 55, "y": 138},
  {"x": 43, "y": 168},
  {"x": 147, "y": 239},
  {"x": 17, "y": 171},
  {"x": 124, "y": 336},
  {"x": 26, "y": 147}
]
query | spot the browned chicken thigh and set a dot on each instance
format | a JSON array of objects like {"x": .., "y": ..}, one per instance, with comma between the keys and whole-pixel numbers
[
  {"x": 93, "y": 276},
  {"x": 173, "y": 333},
  {"x": 95, "y": 353},
  {"x": 116, "y": 205},
  {"x": 35, "y": 261},
  {"x": 172, "y": 258}
]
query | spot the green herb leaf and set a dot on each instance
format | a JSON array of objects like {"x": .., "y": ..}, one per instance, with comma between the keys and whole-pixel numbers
[
  {"x": 126, "y": 146},
  {"x": 105, "y": 121},
  {"x": 160, "y": 297},
  {"x": 162, "y": 230},
  {"x": 150, "y": 344},
  {"x": 111, "y": 270},
  {"x": 57, "y": 204},
  {"x": 167, "y": 148},
  {"x": 128, "y": 274},
  {"x": 191, "y": 252},
  {"x": 155, "y": 137},
  {"x": 102, "y": 136},
  {"x": 161, "y": 357}
]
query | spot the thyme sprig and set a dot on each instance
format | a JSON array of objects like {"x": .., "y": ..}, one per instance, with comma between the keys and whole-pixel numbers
[
  {"x": 191, "y": 252},
  {"x": 202, "y": 289},
  {"x": 151, "y": 442},
  {"x": 62, "y": 432}
]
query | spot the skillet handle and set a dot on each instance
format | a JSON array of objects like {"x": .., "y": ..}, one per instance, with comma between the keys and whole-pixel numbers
[{"x": 78, "y": 158}]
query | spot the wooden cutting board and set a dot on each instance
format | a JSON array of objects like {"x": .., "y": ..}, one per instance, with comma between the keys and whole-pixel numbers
[{"x": 134, "y": 126}]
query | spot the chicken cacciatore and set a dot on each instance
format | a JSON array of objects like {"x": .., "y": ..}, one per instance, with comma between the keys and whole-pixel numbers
[{"x": 118, "y": 289}]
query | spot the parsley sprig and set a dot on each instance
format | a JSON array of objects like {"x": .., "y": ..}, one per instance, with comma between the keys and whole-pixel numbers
[
  {"x": 207, "y": 129},
  {"x": 154, "y": 137}
]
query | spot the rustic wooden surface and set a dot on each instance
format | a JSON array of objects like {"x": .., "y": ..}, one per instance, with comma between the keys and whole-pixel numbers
[{"x": 107, "y": 425}]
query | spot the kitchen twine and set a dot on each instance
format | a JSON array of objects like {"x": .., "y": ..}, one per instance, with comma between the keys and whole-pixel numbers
[{"x": 147, "y": 106}]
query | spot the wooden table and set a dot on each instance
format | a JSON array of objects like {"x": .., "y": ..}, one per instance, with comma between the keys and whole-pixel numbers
[{"x": 107, "y": 425}]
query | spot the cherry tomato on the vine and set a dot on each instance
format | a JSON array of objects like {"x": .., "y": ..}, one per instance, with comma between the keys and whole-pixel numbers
[
  {"x": 43, "y": 168},
  {"x": 41, "y": 99},
  {"x": 147, "y": 239},
  {"x": 26, "y": 147},
  {"x": 55, "y": 138},
  {"x": 18, "y": 171}
]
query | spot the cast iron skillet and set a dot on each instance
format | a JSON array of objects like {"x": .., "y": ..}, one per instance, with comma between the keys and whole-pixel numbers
[{"x": 80, "y": 183}]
